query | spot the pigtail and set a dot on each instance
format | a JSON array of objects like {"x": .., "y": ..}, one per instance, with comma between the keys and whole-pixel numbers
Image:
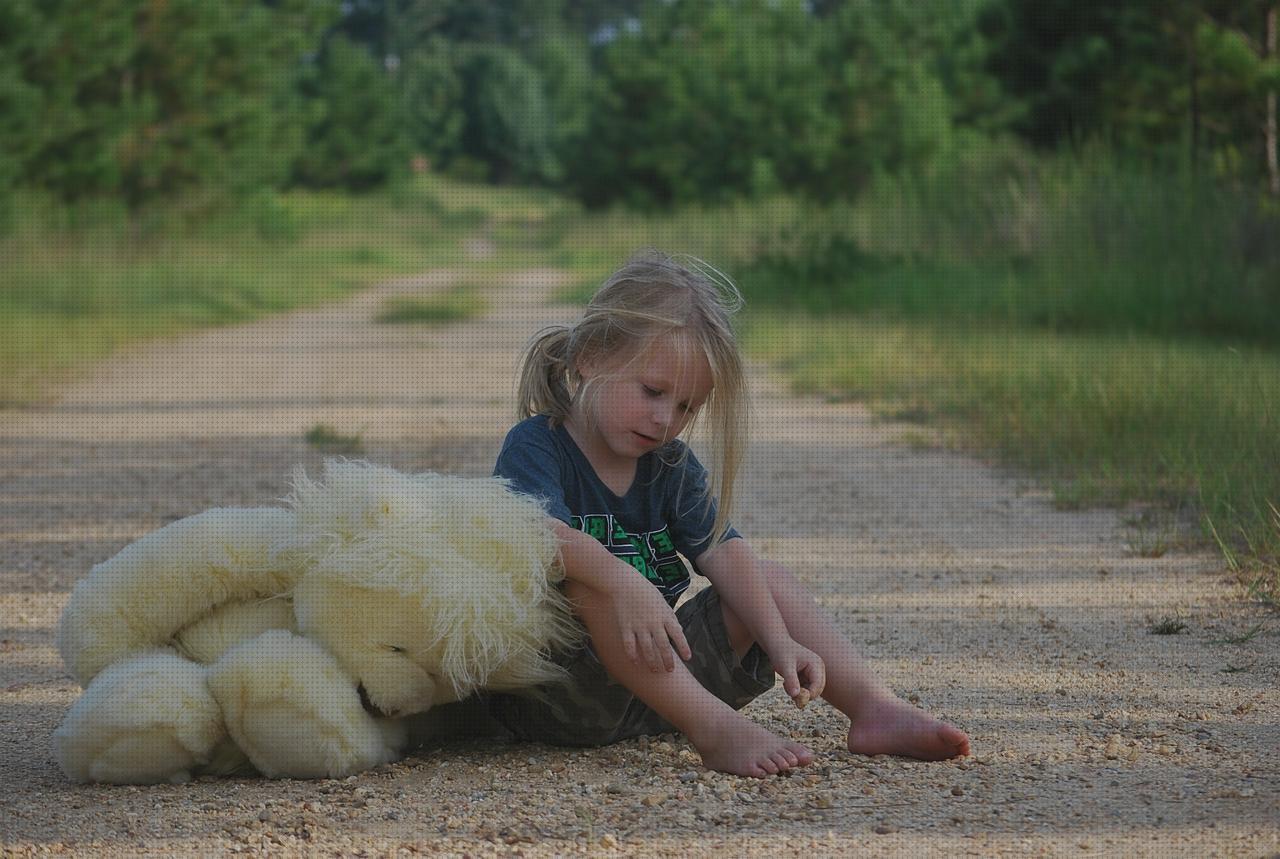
[{"x": 545, "y": 375}]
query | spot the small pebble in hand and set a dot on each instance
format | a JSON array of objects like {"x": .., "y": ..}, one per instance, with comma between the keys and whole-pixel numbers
[{"x": 801, "y": 698}]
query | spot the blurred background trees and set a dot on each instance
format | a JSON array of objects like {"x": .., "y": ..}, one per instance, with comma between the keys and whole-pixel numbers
[{"x": 647, "y": 102}]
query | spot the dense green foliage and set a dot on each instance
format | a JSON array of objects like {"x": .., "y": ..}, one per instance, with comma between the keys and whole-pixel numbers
[
  {"x": 141, "y": 99},
  {"x": 640, "y": 101},
  {"x": 1191, "y": 74},
  {"x": 355, "y": 134}
]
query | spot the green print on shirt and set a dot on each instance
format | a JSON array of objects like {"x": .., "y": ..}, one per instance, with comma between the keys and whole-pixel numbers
[
  {"x": 658, "y": 564},
  {"x": 594, "y": 526}
]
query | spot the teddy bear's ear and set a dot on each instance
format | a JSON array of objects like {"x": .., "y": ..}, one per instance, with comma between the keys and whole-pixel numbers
[{"x": 145, "y": 720}]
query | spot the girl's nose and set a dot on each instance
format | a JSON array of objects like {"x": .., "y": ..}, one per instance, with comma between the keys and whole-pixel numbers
[{"x": 666, "y": 417}]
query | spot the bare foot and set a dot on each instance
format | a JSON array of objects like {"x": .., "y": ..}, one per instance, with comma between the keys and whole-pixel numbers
[
  {"x": 741, "y": 747},
  {"x": 895, "y": 727}
]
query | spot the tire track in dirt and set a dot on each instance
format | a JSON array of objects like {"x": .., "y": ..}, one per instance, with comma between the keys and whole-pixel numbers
[{"x": 1026, "y": 625}]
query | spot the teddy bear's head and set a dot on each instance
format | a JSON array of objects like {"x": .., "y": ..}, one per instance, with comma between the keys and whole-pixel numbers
[
  {"x": 427, "y": 587},
  {"x": 377, "y": 637}
]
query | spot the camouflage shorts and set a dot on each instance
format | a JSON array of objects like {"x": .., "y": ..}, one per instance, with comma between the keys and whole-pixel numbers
[{"x": 593, "y": 709}]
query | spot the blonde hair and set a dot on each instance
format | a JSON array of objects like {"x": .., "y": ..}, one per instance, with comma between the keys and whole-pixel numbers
[{"x": 650, "y": 297}]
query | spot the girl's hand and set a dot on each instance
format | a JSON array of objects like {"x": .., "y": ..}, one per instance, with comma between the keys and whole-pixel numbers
[
  {"x": 648, "y": 626},
  {"x": 803, "y": 672}
]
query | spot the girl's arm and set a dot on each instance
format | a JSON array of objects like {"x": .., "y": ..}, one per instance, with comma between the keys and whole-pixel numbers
[
  {"x": 737, "y": 574},
  {"x": 646, "y": 624},
  {"x": 733, "y": 569}
]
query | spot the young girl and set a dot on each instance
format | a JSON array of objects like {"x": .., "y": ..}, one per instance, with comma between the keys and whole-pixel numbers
[{"x": 604, "y": 404}]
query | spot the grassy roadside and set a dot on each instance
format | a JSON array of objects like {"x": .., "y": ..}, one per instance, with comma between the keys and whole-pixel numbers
[
  {"x": 1102, "y": 418},
  {"x": 77, "y": 284}
]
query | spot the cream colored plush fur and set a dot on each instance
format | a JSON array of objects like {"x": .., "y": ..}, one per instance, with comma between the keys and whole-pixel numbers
[
  {"x": 294, "y": 712},
  {"x": 231, "y": 623},
  {"x": 171, "y": 578},
  {"x": 428, "y": 587},
  {"x": 413, "y": 589},
  {"x": 147, "y": 719}
]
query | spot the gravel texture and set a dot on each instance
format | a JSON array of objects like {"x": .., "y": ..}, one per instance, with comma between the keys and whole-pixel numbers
[{"x": 1027, "y": 626}]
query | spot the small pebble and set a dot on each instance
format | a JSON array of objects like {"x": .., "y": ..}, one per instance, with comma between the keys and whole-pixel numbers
[{"x": 957, "y": 790}]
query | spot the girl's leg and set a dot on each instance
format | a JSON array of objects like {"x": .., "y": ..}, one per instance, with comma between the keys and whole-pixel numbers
[
  {"x": 727, "y": 740},
  {"x": 880, "y": 722}
]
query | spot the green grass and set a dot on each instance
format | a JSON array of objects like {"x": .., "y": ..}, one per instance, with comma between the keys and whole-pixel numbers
[
  {"x": 1252, "y": 556},
  {"x": 1167, "y": 626},
  {"x": 452, "y": 305},
  {"x": 79, "y": 282},
  {"x": 591, "y": 245},
  {"x": 1104, "y": 418},
  {"x": 1064, "y": 245},
  {"x": 328, "y": 439}
]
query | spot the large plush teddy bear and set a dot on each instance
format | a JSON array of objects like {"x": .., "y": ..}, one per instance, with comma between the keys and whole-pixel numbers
[{"x": 308, "y": 640}]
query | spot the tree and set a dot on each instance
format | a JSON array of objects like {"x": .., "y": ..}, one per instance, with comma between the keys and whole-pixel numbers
[
  {"x": 906, "y": 75},
  {"x": 705, "y": 101},
  {"x": 1273, "y": 71},
  {"x": 21, "y": 102},
  {"x": 355, "y": 135},
  {"x": 1149, "y": 76},
  {"x": 145, "y": 98}
]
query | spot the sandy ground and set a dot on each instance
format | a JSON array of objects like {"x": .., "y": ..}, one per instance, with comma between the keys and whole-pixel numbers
[{"x": 1027, "y": 626}]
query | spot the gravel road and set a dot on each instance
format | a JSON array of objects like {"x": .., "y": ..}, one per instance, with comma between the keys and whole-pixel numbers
[{"x": 1027, "y": 626}]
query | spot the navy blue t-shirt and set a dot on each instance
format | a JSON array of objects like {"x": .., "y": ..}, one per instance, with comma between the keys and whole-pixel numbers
[{"x": 662, "y": 516}]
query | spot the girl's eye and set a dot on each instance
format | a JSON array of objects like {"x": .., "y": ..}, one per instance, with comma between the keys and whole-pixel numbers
[{"x": 652, "y": 392}]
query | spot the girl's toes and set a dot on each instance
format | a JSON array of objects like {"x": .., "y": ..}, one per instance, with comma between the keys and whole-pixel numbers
[{"x": 803, "y": 756}]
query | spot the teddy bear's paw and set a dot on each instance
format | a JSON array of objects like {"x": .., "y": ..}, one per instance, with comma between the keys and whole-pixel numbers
[
  {"x": 295, "y": 713},
  {"x": 145, "y": 720}
]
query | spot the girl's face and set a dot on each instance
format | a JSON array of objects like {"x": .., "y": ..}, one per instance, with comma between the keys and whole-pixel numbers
[{"x": 649, "y": 400}]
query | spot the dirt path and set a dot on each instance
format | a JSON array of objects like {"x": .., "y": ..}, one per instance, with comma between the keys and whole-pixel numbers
[{"x": 1025, "y": 625}]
